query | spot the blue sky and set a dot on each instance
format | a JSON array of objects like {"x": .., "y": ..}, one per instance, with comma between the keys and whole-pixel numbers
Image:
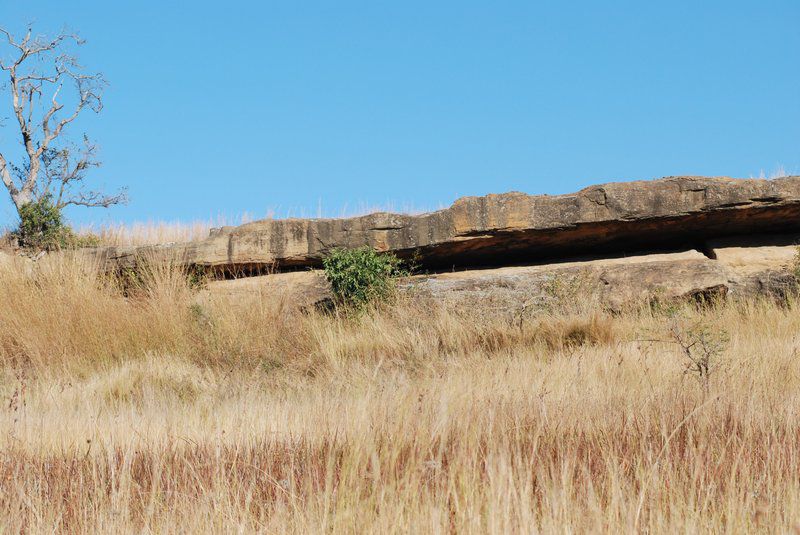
[{"x": 222, "y": 108}]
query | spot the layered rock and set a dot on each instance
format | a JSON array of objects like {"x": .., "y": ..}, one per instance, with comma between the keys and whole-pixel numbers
[
  {"x": 507, "y": 229},
  {"x": 514, "y": 250}
]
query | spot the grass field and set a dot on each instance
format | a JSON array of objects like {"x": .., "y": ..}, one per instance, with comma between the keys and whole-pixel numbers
[{"x": 151, "y": 413}]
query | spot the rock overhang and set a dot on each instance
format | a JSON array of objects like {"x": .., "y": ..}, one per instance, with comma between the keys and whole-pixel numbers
[{"x": 506, "y": 229}]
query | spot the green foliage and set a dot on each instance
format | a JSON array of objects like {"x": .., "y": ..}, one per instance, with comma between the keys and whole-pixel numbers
[
  {"x": 42, "y": 227},
  {"x": 361, "y": 276}
]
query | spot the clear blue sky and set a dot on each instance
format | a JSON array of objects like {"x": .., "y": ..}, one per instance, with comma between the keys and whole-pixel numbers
[{"x": 249, "y": 106}]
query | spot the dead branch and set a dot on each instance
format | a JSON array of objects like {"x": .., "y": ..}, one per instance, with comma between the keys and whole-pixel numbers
[{"x": 49, "y": 90}]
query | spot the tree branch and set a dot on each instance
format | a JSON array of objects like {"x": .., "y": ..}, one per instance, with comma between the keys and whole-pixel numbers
[
  {"x": 40, "y": 65},
  {"x": 5, "y": 174},
  {"x": 95, "y": 199}
]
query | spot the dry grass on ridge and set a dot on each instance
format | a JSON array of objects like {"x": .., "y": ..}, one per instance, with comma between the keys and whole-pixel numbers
[
  {"x": 154, "y": 233},
  {"x": 151, "y": 414},
  {"x": 160, "y": 232}
]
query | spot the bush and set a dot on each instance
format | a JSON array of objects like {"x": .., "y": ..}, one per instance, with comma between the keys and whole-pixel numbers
[
  {"x": 42, "y": 227},
  {"x": 361, "y": 276}
]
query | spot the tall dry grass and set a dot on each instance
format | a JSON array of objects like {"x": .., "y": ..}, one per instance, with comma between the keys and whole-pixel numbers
[
  {"x": 157, "y": 232},
  {"x": 144, "y": 411},
  {"x": 161, "y": 232}
]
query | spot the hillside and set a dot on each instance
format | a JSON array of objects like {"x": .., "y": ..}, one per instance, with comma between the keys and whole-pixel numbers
[{"x": 627, "y": 390}]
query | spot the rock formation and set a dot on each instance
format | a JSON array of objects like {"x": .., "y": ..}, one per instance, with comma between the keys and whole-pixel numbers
[
  {"x": 735, "y": 234},
  {"x": 507, "y": 229}
]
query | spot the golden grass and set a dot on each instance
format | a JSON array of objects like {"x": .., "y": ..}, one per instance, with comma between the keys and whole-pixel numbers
[
  {"x": 151, "y": 413},
  {"x": 154, "y": 233},
  {"x": 161, "y": 232}
]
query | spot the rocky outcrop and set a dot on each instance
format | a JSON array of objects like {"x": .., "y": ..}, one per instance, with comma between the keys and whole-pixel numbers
[
  {"x": 613, "y": 283},
  {"x": 507, "y": 229},
  {"x": 733, "y": 237},
  {"x": 744, "y": 267}
]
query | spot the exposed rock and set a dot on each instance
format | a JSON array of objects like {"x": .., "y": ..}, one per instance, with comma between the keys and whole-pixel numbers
[
  {"x": 613, "y": 283},
  {"x": 759, "y": 264},
  {"x": 736, "y": 236},
  {"x": 507, "y": 229},
  {"x": 755, "y": 253}
]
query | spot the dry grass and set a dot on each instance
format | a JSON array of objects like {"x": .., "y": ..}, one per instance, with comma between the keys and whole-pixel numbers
[
  {"x": 153, "y": 233},
  {"x": 149, "y": 413},
  {"x": 777, "y": 172},
  {"x": 160, "y": 232}
]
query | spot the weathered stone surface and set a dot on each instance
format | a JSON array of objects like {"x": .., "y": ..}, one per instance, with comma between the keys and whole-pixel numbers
[
  {"x": 613, "y": 283},
  {"x": 508, "y": 229},
  {"x": 757, "y": 252},
  {"x": 758, "y": 264}
]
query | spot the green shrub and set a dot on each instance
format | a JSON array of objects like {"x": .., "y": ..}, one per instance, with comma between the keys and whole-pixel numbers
[
  {"x": 361, "y": 276},
  {"x": 42, "y": 227}
]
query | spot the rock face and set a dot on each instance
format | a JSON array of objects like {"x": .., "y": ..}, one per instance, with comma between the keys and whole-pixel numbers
[
  {"x": 507, "y": 229},
  {"x": 612, "y": 283},
  {"x": 758, "y": 264}
]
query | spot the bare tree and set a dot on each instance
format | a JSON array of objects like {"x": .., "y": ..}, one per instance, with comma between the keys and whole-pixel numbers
[{"x": 49, "y": 89}]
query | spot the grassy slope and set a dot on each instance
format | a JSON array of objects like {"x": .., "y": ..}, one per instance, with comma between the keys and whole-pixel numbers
[{"x": 150, "y": 413}]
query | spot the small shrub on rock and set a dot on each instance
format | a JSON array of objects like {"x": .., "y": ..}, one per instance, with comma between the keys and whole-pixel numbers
[{"x": 359, "y": 277}]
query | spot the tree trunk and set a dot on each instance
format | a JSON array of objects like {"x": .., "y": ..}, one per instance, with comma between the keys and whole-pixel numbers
[{"x": 21, "y": 198}]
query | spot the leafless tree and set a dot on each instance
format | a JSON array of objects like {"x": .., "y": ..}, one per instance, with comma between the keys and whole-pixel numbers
[{"x": 49, "y": 89}]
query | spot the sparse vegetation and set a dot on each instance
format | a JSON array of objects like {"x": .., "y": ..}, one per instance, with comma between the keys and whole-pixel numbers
[
  {"x": 702, "y": 345},
  {"x": 362, "y": 276}
]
